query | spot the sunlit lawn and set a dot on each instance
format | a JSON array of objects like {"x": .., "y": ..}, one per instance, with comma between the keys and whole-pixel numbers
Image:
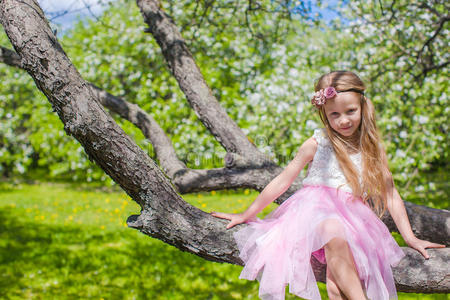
[{"x": 65, "y": 242}]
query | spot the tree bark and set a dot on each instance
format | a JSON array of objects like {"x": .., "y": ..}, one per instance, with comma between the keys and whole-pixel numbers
[
  {"x": 197, "y": 92},
  {"x": 164, "y": 214},
  {"x": 236, "y": 174},
  {"x": 426, "y": 222}
]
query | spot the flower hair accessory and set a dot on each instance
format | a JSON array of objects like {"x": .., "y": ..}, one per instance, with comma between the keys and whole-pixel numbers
[{"x": 320, "y": 97}]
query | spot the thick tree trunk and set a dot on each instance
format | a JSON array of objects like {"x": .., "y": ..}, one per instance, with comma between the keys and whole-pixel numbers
[{"x": 164, "y": 214}]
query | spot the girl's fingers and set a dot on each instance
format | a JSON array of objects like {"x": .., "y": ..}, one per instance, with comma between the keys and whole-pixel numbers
[
  {"x": 421, "y": 250},
  {"x": 424, "y": 253},
  {"x": 426, "y": 244},
  {"x": 434, "y": 245},
  {"x": 221, "y": 215},
  {"x": 231, "y": 224},
  {"x": 234, "y": 220}
]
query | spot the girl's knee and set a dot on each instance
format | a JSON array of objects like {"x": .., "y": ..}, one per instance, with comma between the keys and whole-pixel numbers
[{"x": 336, "y": 244}]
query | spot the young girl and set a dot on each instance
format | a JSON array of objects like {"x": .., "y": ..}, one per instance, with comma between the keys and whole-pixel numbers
[{"x": 332, "y": 217}]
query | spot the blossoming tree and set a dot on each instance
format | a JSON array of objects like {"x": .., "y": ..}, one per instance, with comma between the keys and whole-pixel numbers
[{"x": 165, "y": 215}]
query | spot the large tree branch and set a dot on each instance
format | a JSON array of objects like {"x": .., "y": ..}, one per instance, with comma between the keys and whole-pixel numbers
[
  {"x": 191, "y": 81},
  {"x": 185, "y": 70},
  {"x": 164, "y": 214},
  {"x": 427, "y": 223},
  {"x": 186, "y": 180},
  {"x": 173, "y": 220}
]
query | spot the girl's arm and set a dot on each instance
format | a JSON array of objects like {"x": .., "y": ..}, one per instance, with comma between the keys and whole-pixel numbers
[
  {"x": 276, "y": 187},
  {"x": 397, "y": 210}
]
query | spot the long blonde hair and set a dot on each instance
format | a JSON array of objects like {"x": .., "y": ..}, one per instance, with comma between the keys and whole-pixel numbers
[{"x": 376, "y": 180}]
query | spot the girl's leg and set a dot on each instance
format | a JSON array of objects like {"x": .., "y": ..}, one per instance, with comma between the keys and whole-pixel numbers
[
  {"x": 334, "y": 293},
  {"x": 342, "y": 268}
]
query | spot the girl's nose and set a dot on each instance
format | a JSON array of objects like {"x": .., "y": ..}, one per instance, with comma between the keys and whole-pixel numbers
[{"x": 344, "y": 122}]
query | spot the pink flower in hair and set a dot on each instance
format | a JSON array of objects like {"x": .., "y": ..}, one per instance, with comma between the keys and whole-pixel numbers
[
  {"x": 320, "y": 97},
  {"x": 329, "y": 92}
]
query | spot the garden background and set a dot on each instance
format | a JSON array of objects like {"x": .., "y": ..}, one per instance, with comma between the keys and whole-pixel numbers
[{"x": 63, "y": 232}]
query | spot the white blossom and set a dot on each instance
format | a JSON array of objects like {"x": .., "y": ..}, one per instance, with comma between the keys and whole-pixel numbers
[
  {"x": 311, "y": 124},
  {"x": 400, "y": 153}
]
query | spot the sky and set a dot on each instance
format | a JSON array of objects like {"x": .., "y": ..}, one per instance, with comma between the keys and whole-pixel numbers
[{"x": 65, "y": 13}]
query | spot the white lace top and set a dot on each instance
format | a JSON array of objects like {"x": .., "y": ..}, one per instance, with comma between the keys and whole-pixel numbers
[{"x": 324, "y": 169}]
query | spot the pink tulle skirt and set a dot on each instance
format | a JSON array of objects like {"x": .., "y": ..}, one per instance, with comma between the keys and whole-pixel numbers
[{"x": 277, "y": 250}]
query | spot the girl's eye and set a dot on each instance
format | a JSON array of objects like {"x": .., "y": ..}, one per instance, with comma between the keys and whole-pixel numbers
[{"x": 352, "y": 110}]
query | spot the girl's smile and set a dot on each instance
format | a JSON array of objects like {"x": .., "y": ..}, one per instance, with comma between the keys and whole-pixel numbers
[{"x": 344, "y": 113}]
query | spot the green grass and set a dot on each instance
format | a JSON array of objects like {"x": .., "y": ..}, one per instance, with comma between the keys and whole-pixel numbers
[{"x": 69, "y": 242}]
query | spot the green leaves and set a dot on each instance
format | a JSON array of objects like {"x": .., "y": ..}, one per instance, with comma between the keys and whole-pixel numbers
[{"x": 262, "y": 73}]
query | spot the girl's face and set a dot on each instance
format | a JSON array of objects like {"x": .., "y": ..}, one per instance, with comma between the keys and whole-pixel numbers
[{"x": 344, "y": 112}]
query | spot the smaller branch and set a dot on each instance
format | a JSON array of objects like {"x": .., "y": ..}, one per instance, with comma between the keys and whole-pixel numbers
[
  {"x": 424, "y": 4},
  {"x": 164, "y": 149},
  {"x": 191, "y": 81},
  {"x": 428, "y": 69},
  {"x": 381, "y": 7},
  {"x": 438, "y": 30},
  {"x": 88, "y": 7},
  {"x": 10, "y": 58},
  {"x": 239, "y": 173}
]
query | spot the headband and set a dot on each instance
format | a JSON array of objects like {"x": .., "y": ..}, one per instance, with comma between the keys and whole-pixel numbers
[{"x": 320, "y": 97}]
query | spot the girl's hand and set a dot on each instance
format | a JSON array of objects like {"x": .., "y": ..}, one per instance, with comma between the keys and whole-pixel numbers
[
  {"x": 234, "y": 218},
  {"x": 421, "y": 245}
]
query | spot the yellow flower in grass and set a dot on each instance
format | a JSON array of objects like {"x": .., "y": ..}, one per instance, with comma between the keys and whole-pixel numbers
[
  {"x": 213, "y": 193},
  {"x": 107, "y": 200},
  {"x": 117, "y": 210},
  {"x": 102, "y": 227},
  {"x": 204, "y": 205},
  {"x": 246, "y": 191},
  {"x": 70, "y": 218}
]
